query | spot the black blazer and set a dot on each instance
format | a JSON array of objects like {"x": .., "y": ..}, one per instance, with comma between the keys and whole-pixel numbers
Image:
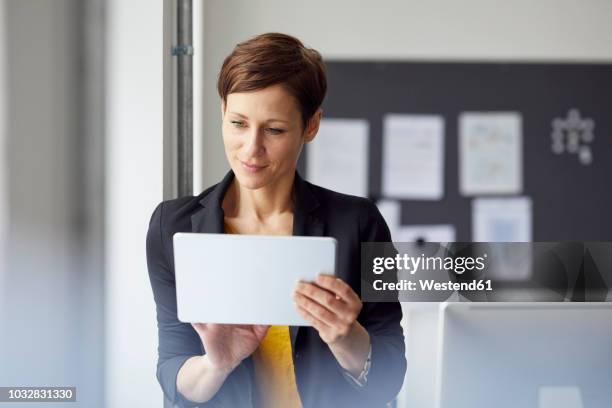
[{"x": 320, "y": 379}]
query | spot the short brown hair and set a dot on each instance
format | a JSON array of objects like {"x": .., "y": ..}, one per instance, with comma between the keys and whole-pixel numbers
[{"x": 274, "y": 58}]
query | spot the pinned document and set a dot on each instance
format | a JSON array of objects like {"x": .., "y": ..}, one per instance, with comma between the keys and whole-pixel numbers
[
  {"x": 337, "y": 158},
  {"x": 574, "y": 134},
  {"x": 490, "y": 153},
  {"x": 502, "y": 219},
  {"x": 413, "y": 157}
]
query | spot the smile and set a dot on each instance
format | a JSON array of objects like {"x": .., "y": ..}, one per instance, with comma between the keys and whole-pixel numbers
[{"x": 252, "y": 168}]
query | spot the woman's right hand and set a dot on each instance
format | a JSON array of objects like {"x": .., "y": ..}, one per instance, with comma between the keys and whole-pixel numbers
[{"x": 226, "y": 345}]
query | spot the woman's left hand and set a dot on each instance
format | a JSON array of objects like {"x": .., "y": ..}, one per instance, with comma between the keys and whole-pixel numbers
[{"x": 330, "y": 305}]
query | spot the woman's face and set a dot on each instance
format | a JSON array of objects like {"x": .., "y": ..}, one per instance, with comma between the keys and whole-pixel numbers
[{"x": 263, "y": 135}]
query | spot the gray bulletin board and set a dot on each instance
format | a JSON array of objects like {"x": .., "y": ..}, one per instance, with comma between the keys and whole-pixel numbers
[{"x": 571, "y": 201}]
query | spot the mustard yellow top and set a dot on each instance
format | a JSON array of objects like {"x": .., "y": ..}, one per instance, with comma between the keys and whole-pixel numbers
[{"x": 274, "y": 372}]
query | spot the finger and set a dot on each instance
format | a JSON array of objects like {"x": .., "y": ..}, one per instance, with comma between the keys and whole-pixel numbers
[
  {"x": 337, "y": 286},
  {"x": 322, "y": 296},
  {"x": 310, "y": 318},
  {"x": 315, "y": 309}
]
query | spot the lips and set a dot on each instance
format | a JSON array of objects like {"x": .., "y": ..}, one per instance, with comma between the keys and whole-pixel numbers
[{"x": 252, "y": 168}]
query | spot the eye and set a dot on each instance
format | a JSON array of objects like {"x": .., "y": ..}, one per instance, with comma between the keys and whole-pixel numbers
[
  {"x": 237, "y": 123},
  {"x": 275, "y": 131}
]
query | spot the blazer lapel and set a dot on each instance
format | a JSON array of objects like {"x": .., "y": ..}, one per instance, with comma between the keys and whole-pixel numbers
[
  {"x": 305, "y": 223},
  {"x": 210, "y": 218}
]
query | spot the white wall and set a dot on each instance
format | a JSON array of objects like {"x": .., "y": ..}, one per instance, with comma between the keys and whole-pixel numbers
[
  {"x": 566, "y": 30},
  {"x": 198, "y": 94},
  {"x": 134, "y": 177}
]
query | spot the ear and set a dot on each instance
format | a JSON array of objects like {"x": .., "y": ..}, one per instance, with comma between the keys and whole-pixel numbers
[{"x": 312, "y": 127}]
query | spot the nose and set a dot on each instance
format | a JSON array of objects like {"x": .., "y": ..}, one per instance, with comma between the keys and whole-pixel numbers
[{"x": 254, "y": 145}]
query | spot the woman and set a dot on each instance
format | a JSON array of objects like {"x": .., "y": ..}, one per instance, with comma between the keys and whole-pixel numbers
[{"x": 271, "y": 90}]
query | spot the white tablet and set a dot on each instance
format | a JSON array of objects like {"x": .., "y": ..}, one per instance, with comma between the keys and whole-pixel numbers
[{"x": 246, "y": 279}]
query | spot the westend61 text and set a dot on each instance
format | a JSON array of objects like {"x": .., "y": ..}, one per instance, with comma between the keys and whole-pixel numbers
[{"x": 430, "y": 284}]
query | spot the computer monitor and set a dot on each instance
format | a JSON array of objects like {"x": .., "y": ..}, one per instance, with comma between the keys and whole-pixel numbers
[{"x": 536, "y": 355}]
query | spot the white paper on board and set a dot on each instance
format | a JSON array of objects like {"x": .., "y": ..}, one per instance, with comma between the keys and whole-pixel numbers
[
  {"x": 413, "y": 157},
  {"x": 490, "y": 153},
  {"x": 337, "y": 158},
  {"x": 501, "y": 219},
  {"x": 391, "y": 212},
  {"x": 427, "y": 233},
  {"x": 505, "y": 220}
]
